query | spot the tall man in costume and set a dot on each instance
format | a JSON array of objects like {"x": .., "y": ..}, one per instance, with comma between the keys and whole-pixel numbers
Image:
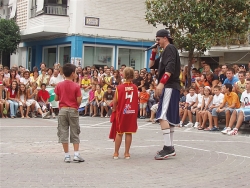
[
  {"x": 168, "y": 90},
  {"x": 125, "y": 110}
]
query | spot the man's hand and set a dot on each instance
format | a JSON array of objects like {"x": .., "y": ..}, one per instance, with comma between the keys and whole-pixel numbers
[{"x": 158, "y": 90}]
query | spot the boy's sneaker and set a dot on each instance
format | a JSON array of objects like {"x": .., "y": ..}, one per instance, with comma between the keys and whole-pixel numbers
[
  {"x": 78, "y": 158},
  {"x": 33, "y": 115},
  {"x": 226, "y": 130},
  {"x": 53, "y": 115},
  {"x": 215, "y": 129},
  {"x": 233, "y": 132},
  {"x": 45, "y": 115},
  {"x": 189, "y": 125},
  {"x": 143, "y": 117},
  {"x": 181, "y": 124},
  {"x": 196, "y": 124},
  {"x": 67, "y": 159},
  {"x": 165, "y": 153}
]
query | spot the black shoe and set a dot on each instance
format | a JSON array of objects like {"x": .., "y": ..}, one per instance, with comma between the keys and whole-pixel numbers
[
  {"x": 85, "y": 114},
  {"x": 165, "y": 153}
]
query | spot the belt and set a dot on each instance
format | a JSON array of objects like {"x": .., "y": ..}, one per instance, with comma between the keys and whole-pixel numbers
[{"x": 66, "y": 107}]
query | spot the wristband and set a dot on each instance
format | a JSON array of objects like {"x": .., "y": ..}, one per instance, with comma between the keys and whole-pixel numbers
[
  {"x": 164, "y": 79},
  {"x": 152, "y": 57}
]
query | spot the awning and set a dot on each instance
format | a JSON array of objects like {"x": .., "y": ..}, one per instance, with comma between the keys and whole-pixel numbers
[
  {"x": 12, "y": 4},
  {"x": 39, "y": 6}
]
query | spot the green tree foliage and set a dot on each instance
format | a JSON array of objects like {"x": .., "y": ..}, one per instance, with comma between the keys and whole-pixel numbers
[
  {"x": 9, "y": 36},
  {"x": 200, "y": 24}
]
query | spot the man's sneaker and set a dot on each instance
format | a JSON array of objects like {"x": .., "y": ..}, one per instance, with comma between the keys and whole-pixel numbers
[
  {"x": 196, "y": 125},
  {"x": 45, "y": 115},
  {"x": 225, "y": 131},
  {"x": 233, "y": 132},
  {"x": 67, "y": 159},
  {"x": 165, "y": 153},
  {"x": 189, "y": 125},
  {"x": 78, "y": 158}
]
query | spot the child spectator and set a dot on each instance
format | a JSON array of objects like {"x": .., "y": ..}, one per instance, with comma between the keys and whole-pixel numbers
[
  {"x": 206, "y": 103},
  {"x": 241, "y": 114},
  {"x": 4, "y": 105},
  {"x": 182, "y": 103},
  {"x": 98, "y": 100},
  {"x": 12, "y": 98},
  {"x": 43, "y": 78},
  {"x": 22, "y": 97},
  {"x": 144, "y": 97},
  {"x": 233, "y": 102},
  {"x": 26, "y": 79},
  {"x": 68, "y": 114},
  {"x": 6, "y": 72},
  {"x": 86, "y": 83},
  {"x": 43, "y": 100},
  {"x": 151, "y": 100},
  {"x": 108, "y": 99},
  {"x": 240, "y": 85},
  {"x": 153, "y": 109},
  {"x": 217, "y": 101},
  {"x": 190, "y": 101},
  {"x": 195, "y": 109},
  {"x": 91, "y": 101}
]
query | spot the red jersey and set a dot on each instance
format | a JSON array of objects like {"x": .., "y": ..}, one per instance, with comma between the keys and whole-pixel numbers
[
  {"x": 43, "y": 94},
  {"x": 125, "y": 120},
  {"x": 13, "y": 93},
  {"x": 67, "y": 92}
]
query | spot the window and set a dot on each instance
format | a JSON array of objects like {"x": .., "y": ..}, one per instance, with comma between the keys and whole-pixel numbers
[
  {"x": 64, "y": 54},
  {"x": 98, "y": 56},
  {"x": 49, "y": 56},
  {"x": 131, "y": 58}
]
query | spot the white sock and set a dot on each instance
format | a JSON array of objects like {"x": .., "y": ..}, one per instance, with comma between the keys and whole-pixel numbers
[
  {"x": 76, "y": 153},
  {"x": 172, "y": 135},
  {"x": 166, "y": 137},
  {"x": 66, "y": 154}
]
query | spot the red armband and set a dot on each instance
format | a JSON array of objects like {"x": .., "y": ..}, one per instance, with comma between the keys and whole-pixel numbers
[
  {"x": 152, "y": 57},
  {"x": 164, "y": 79}
]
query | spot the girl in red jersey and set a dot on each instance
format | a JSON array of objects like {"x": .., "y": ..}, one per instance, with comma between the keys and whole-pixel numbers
[{"x": 125, "y": 110}]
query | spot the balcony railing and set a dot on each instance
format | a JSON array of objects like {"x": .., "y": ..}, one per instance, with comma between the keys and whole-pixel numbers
[{"x": 51, "y": 9}]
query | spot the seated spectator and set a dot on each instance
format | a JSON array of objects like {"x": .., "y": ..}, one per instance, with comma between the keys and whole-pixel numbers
[
  {"x": 138, "y": 80},
  {"x": 182, "y": 103},
  {"x": 106, "y": 80},
  {"x": 43, "y": 100},
  {"x": 196, "y": 108},
  {"x": 206, "y": 103},
  {"x": 86, "y": 83},
  {"x": 232, "y": 100},
  {"x": 56, "y": 77},
  {"x": 13, "y": 77},
  {"x": 116, "y": 80},
  {"x": 190, "y": 101},
  {"x": 22, "y": 99},
  {"x": 153, "y": 109},
  {"x": 12, "y": 98},
  {"x": 4, "y": 105},
  {"x": 98, "y": 100},
  {"x": 148, "y": 80},
  {"x": 6, "y": 72},
  {"x": 213, "y": 80},
  {"x": 26, "y": 79},
  {"x": 217, "y": 101},
  {"x": 223, "y": 76},
  {"x": 201, "y": 81},
  {"x": 91, "y": 101},
  {"x": 144, "y": 97},
  {"x": 43, "y": 78},
  {"x": 231, "y": 79},
  {"x": 240, "y": 85},
  {"x": 32, "y": 97},
  {"x": 241, "y": 114},
  {"x": 108, "y": 99},
  {"x": 34, "y": 78},
  {"x": 95, "y": 78}
]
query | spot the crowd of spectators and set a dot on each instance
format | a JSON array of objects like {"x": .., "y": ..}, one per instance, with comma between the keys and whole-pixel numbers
[{"x": 222, "y": 93}]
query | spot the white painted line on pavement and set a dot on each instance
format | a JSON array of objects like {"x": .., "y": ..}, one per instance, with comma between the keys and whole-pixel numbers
[
  {"x": 100, "y": 123},
  {"x": 27, "y": 126},
  {"x": 221, "y": 141},
  {"x": 145, "y": 125},
  {"x": 8, "y": 153},
  {"x": 235, "y": 155},
  {"x": 139, "y": 146}
]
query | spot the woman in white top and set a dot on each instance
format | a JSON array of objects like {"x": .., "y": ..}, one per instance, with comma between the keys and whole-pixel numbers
[
  {"x": 197, "y": 106},
  {"x": 206, "y": 103},
  {"x": 22, "y": 99}
]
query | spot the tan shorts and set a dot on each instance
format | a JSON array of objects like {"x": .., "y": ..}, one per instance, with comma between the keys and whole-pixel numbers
[
  {"x": 143, "y": 105},
  {"x": 68, "y": 120}
]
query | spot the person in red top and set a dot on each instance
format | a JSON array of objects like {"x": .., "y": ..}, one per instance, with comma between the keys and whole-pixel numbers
[
  {"x": 144, "y": 97},
  {"x": 69, "y": 95},
  {"x": 43, "y": 100},
  {"x": 125, "y": 110},
  {"x": 12, "y": 98}
]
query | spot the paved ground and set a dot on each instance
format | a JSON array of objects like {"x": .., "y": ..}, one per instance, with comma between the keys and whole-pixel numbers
[{"x": 31, "y": 157}]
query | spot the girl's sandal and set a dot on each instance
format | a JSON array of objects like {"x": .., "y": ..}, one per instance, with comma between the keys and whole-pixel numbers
[
  {"x": 116, "y": 156},
  {"x": 127, "y": 156}
]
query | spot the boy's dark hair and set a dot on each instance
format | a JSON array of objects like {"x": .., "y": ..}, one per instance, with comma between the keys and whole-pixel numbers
[
  {"x": 217, "y": 87},
  {"x": 186, "y": 90},
  {"x": 229, "y": 86},
  {"x": 123, "y": 65},
  {"x": 151, "y": 85},
  {"x": 86, "y": 74},
  {"x": 248, "y": 79},
  {"x": 191, "y": 88},
  {"x": 43, "y": 84},
  {"x": 6, "y": 67},
  {"x": 231, "y": 70},
  {"x": 109, "y": 87},
  {"x": 68, "y": 69}
]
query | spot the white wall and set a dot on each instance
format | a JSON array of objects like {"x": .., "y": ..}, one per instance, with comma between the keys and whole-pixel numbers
[{"x": 19, "y": 58}]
